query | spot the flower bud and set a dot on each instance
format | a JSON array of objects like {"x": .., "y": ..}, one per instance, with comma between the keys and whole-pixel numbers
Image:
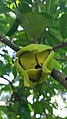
[{"x": 33, "y": 63}]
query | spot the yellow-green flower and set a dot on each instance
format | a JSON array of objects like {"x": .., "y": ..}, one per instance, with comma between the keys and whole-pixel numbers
[{"x": 34, "y": 63}]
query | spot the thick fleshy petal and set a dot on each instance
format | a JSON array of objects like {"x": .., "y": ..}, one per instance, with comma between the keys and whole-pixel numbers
[
  {"x": 34, "y": 74},
  {"x": 48, "y": 63},
  {"x": 24, "y": 75},
  {"x": 27, "y": 60},
  {"x": 42, "y": 56},
  {"x": 34, "y": 48}
]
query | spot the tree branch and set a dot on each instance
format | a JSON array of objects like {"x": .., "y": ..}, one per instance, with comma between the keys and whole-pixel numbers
[
  {"x": 62, "y": 45},
  {"x": 9, "y": 82},
  {"x": 16, "y": 48},
  {"x": 9, "y": 43},
  {"x": 62, "y": 59},
  {"x": 58, "y": 76}
]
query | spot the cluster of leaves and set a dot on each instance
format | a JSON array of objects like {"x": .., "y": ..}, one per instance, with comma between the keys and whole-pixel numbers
[{"x": 43, "y": 21}]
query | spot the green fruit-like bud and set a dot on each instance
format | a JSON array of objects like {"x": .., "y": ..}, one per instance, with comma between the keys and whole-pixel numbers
[{"x": 34, "y": 63}]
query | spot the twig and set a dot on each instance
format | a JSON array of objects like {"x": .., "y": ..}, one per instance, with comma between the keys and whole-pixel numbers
[
  {"x": 9, "y": 82},
  {"x": 62, "y": 45},
  {"x": 15, "y": 94},
  {"x": 15, "y": 3},
  {"x": 62, "y": 59},
  {"x": 2, "y": 55},
  {"x": 9, "y": 43}
]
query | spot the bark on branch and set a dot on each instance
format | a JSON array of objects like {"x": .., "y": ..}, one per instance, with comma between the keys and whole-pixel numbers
[
  {"x": 58, "y": 76},
  {"x": 64, "y": 44},
  {"x": 9, "y": 43}
]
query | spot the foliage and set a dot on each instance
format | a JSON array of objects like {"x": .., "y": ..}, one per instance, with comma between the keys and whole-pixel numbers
[{"x": 24, "y": 22}]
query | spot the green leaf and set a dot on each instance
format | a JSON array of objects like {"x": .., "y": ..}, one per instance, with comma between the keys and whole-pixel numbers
[
  {"x": 51, "y": 7},
  {"x": 63, "y": 25},
  {"x": 46, "y": 105},
  {"x": 38, "y": 107},
  {"x": 56, "y": 64},
  {"x": 5, "y": 23},
  {"x": 3, "y": 108},
  {"x": 21, "y": 39},
  {"x": 26, "y": 2},
  {"x": 25, "y": 111},
  {"x": 13, "y": 28},
  {"x": 3, "y": 7},
  {"x": 24, "y": 6},
  {"x": 34, "y": 24},
  {"x": 64, "y": 69},
  {"x": 65, "y": 40},
  {"x": 0, "y": 116},
  {"x": 52, "y": 40},
  {"x": 38, "y": 23},
  {"x": 2, "y": 69},
  {"x": 6, "y": 88},
  {"x": 14, "y": 71},
  {"x": 56, "y": 34}
]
